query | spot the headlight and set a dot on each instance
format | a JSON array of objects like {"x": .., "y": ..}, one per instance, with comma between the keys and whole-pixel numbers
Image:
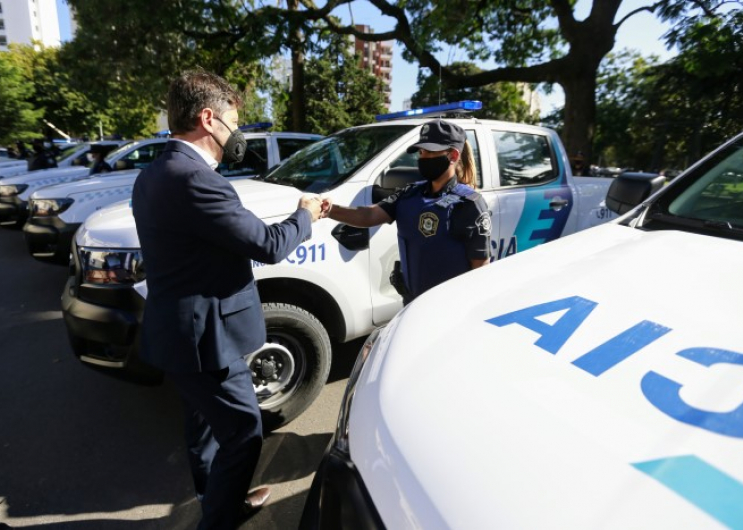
[
  {"x": 12, "y": 189},
  {"x": 48, "y": 207},
  {"x": 120, "y": 267},
  {"x": 341, "y": 431}
]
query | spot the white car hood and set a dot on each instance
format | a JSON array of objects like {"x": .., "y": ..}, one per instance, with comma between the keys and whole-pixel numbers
[
  {"x": 460, "y": 423},
  {"x": 51, "y": 176},
  {"x": 113, "y": 226},
  {"x": 95, "y": 183}
]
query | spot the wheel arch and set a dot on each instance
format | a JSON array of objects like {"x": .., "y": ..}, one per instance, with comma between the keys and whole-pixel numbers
[{"x": 309, "y": 297}]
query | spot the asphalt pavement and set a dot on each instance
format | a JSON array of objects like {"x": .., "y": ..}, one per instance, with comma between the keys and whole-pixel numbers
[{"x": 80, "y": 450}]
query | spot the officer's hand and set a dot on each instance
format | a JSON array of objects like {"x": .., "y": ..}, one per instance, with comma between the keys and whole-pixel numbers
[
  {"x": 327, "y": 205},
  {"x": 313, "y": 204}
]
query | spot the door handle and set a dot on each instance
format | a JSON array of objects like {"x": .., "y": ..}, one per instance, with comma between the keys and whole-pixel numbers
[{"x": 558, "y": 204}]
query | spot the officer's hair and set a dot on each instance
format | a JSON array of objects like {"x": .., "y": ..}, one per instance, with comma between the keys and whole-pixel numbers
[
  {"x": 192, "y": 92},
  {"x": 466, "y": 168}
]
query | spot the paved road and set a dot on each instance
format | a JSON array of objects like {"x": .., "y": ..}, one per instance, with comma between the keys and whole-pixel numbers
[{"x": 84, "y": 451}]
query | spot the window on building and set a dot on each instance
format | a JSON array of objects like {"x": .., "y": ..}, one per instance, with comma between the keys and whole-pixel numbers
[
  {"x": 3, "y": 40},
  {"x": 2, "y": 24}
]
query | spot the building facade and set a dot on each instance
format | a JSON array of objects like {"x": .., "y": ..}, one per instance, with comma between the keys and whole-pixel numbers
[
  {"x": 25, "y": 21},
  {"x": 376, "y": 57}
]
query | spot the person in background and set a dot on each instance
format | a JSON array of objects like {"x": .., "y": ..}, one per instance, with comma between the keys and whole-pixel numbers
[
  {"x": 443, "y": 224},
  {"x": 203, "y": 313},
  {"x": 96, "y": 157},
  {"x": 21, "y": 149},
  {"x": 42, "y": 158}
]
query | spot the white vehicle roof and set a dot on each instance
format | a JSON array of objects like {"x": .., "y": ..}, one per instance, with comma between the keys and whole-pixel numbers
[{"x": 461, "y": 422}]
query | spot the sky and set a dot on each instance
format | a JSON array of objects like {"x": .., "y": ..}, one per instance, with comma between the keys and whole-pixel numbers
[{"x": 642, "y": 32}]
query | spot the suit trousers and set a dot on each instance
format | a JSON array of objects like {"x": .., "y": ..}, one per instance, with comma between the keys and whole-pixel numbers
[{"x": 224, "y": 436}]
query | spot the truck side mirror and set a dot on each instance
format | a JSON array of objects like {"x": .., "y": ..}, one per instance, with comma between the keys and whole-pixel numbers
[
  {"x": 392, "y": 180},
  {"x": 629, "y": 189}
]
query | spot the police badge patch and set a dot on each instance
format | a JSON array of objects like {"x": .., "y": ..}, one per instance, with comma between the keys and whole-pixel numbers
[
  {"x": 428, "y": 224},
  {"x": 484, "y": 225}
]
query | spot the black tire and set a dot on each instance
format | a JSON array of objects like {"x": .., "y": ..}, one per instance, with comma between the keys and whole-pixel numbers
[{"x": 296, "y": 333}]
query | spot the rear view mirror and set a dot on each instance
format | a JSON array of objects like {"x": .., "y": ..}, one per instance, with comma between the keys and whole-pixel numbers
[{"x": 630, "y": 189}]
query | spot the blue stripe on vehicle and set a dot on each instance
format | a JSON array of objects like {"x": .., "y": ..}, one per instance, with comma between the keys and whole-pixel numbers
[{"x": 700, "y": 483}]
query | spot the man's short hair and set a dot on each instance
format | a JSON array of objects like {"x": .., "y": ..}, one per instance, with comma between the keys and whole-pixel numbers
[{"x": 192, "y": 92}]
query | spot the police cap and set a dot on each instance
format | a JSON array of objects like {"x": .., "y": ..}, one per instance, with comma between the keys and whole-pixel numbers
[{"x": 440, "y": 135}]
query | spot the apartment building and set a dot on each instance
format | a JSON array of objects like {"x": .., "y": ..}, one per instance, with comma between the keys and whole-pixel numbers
[
  {"x": 377, "y": 58},
  {"x": 24, "y": 21}
]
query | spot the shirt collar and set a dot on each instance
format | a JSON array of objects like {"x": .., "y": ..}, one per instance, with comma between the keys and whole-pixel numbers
[
  {"x": 209, "y": 159},
  {"x": 446, "y": 189}
]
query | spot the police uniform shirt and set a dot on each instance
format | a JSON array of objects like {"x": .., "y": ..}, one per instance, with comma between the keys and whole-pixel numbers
[{"x": 438, "y": 233}]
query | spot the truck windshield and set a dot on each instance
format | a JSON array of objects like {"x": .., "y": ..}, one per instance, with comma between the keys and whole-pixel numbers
[
  {"x": 325, "y": 164},
  {"x": 710, "y": 198}
]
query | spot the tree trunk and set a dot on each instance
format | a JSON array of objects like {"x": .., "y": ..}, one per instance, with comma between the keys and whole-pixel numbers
[
  {"x": 298, "y": 100},
  {"x": 580, "y": 114}
]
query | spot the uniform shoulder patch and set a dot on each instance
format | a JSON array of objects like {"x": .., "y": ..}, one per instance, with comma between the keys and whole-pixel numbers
[{"x": 484, "y": 224}]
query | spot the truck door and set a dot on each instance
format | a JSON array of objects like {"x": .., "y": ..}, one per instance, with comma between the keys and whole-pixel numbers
[{"x": 534, "y": 197}]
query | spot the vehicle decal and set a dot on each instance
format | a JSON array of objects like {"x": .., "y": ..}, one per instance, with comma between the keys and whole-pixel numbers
[
  {"x": 540, "y": 223},
  {"x": 110, "y": 192},
  {"x": 302, "y": 255},
  {"x": 700, "y": 483},
  {"x": 661, "y": 392}
]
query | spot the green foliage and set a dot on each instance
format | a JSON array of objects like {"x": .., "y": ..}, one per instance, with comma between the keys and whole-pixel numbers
[
  {"x": 500, "y": 101},
  {"x": 339, "y": 92},
  {"x": 18, "y": 117},
  {"x": 653, "y": 116}
]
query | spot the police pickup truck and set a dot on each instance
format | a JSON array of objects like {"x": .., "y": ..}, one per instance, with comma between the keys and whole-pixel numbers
[
  {"x": 595, "y": 382},
  {"x": 337, "y": 283},
  {"x": 56, "y": 212},
  {"x": 15, "y": 191},
  {"x": 71, "y": 155}
]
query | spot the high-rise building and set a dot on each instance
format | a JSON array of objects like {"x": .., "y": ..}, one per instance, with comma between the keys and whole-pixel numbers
[
  {"x": 377, "y": 58},
  {"x": 25, "y": 21}
]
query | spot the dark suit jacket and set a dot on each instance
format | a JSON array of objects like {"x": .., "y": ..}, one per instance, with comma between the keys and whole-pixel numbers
[{"x": 202, "y": 310}]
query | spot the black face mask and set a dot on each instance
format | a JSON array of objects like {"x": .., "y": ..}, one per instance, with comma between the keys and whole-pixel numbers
[
  {"x": 432, "y": 168},
  {"x": 234, "y": 148}
]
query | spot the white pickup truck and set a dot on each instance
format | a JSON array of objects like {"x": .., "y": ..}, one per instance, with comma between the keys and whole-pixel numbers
[
  {"x": 595, "y": 382},
  {"x": 337, "y": 283},
  {"x": 15, "y": 191},
  {"x": 56, "y": 211}
]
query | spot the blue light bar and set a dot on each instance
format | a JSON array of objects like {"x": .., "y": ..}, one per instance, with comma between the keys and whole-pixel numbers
[
  {"x": 163, "y": 133},
  {"x": 461, "y": 106},
  {"x": 259, "y": 125}
]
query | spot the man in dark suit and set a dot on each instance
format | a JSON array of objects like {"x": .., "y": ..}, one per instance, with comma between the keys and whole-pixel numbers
[{"x": 203, "y": 313}]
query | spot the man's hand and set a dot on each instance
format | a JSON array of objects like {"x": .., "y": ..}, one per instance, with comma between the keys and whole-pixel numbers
[{"x": 312, "y": 204}]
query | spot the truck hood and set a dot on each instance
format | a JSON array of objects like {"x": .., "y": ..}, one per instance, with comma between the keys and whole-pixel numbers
[
  {"x": 113, "y": 226},
  {"x": 91, "y": 184},
  {"x": 52, "y": 176},
  {"x": 468, "y": 414}
]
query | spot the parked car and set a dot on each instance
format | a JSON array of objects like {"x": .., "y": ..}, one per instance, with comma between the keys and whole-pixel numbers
[
  {"x": 594, "y": 382},
  {"x": 55, "y": 212},
  {"x": 69, "y": 155},
  {"x": 337, "y": 283},
  {"x": 15, "y": 191}
]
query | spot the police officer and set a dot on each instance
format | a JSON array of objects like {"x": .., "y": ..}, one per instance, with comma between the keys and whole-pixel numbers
[
  {"x": 443, "y": 224},
  {"x": 42, "y": 158},
  {"x": 96, "y": 158}
]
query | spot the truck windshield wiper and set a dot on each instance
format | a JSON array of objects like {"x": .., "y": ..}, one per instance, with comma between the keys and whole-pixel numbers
[{"x": 724, "y": 226}]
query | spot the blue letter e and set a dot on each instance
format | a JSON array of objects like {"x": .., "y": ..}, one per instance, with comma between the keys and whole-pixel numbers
[
  {"x": 663, "y": 393},
  {"x": 555, "y": 335}
]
